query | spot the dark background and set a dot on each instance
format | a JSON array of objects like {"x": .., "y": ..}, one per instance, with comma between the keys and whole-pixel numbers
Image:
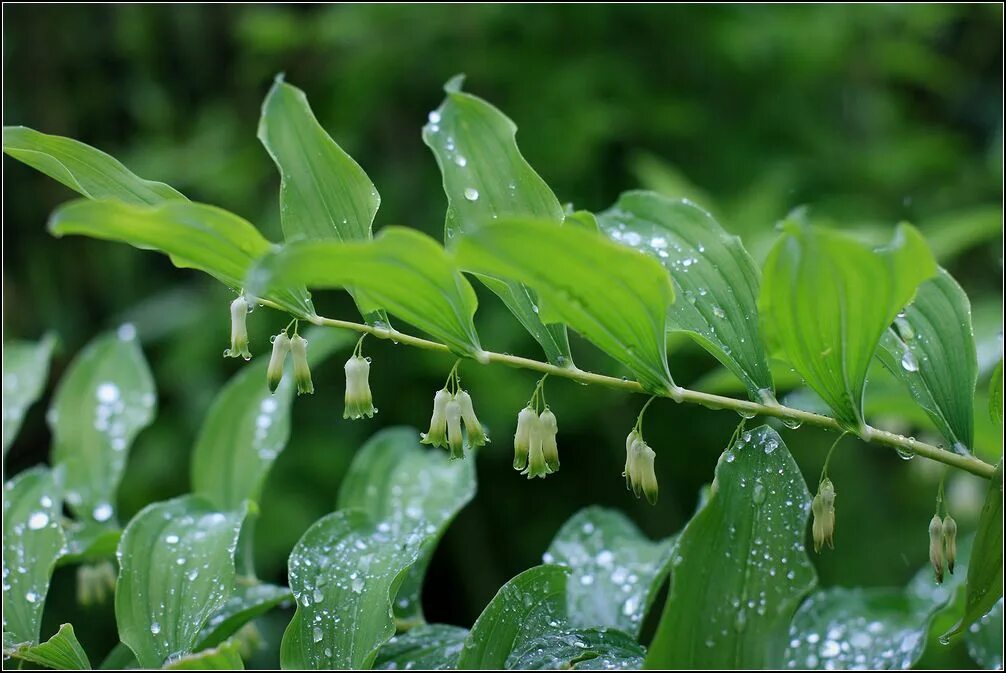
[{"x": 867, "y": 114}]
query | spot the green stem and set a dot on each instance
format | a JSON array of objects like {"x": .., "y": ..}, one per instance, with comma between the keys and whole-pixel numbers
[{"x": 970, "y": 464}]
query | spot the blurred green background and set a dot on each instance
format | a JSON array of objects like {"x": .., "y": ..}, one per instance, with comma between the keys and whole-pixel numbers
[{"x": 868, "y": 115}]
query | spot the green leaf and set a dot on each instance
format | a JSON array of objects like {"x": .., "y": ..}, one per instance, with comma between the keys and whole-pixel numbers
[
  {"x": 427, "y": 647},
  {"x": 623, "y": 311},
  {"x": 931, "y": 350},
  {"x": 527, "y": 606},
  {"x": 413, "y": 490},
  {"x": 82, "y": 168},
  {"x": 194, "y": 235},
  {"x": 985, "y": 639},
  {"x": 579, "y": 649},
  {"x": 25, "y": 370},
  {"x": 826, "y": 299},
  {"x": 740, "y": 567},
  {"x": 176, "y": 568},
  {"x": 245, "y": 430},
  {"x": 105, "y": 398},
  {"x": 32, "y": 541},
  {"x": 324, "y": 194},
  {"x": 405, "y": 271},
  {"x": 985, "y": 569},
  {"x": 711, "y": 271},
  {"x": 485, "y": 178},
  {"x": 616, "y": 571},
  {"x": 224, "y": 657},
  {"x": 119, "y": 658},
  {"x": 61, "y": 652},
  {"x": 344, "y": 573},
  {"x": 245, "y": 603},
  {"x": 996, "y": 395},
  {"x": 88, "y": 541}
]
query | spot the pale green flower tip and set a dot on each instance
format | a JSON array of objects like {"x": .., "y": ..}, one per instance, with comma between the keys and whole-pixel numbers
[
  {"x": 639, "y": 472},
  {"x": 239, "y": 330},
  {"x": 437, "y": 434},
  {"x": 527, "y": 422},
  {"x": 476, "y": 433},
  {"x": 301, "y": 369},
  {"x": 280, "y": 349},
  {"x": 455, "y": 438}
]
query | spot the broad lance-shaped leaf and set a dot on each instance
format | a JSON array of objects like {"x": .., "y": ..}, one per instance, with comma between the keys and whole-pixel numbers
[
  {"x": 324, "y": 194},
  {"x": 32, "y": 541},
  {"x": 246, "y": 602},
  {"x": 931, "y": 350},
  {"x": 616, "y": 570},
  {"x": 224, "y": 657},
  {"x": 622, "y": 311},
  {"x": 344, "y": 573},
  {"x": 985, "y": 639},
  {"x": 405, "y": 271},
  {"x": 985, "y": 569},
  {"x": 527, "y": 626},
  {"x": 485, "y": 178},
  {"x": 408, "y": 488},
  {"x": 193, "y": 235},
  {"x": 105, "y": 398},
  {"x": 826, "y": 299},
  {"x": 739, "y": 568},
  {"x": 176, "y": 569},
  {"x": 427, "y": 647},
  {"x": 61, "y": 652},
  {"x": 84, "y": 169},
  {"x": 25, "y": 370},
  {"x": 715, "y": 279}
]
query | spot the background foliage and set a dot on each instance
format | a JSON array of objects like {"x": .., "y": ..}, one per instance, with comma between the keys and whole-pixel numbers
[{"x": 869, "y": 115}]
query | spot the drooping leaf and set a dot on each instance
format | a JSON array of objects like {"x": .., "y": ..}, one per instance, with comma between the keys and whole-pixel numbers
[
  {"x": 103, "y": 401},
  {"x": 25, "y": 370},
  {"x": 176, "y": 568},
  {"x": 616, "y": 571},
  {"x": 985, "y": 569},
  {"x": 32, "y": 541},
  {"x": 740, "y": 568},
  {"x": 344, "y": 573},
  {"x": 985, "y": 639},
  {"x": 245, "y": 603},
  {"x": 579, "y": 649},
  {"x": 194, "y": 235},
  {"x": 715, "y": 279},
  {"x": 324, "y": 194},
  {"x": 224, "y": 657},
  {"x": 411, "y": 489},
  {"x": 826, "y": 299},
  {"x": 527, "y": 606},
  {"x": 623, "y": 311},
  {"x": 84, "y": 169},
  {"x": 485, "y": 178},
  {"x": 931, "y": 350},
  {"x": 61, "y": 652},
  {"x": 427, "y": 647},
  {"x": 403, "y": 270}
]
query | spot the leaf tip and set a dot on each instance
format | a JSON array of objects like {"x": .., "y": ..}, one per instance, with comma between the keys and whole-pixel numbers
[{"x": 455, "y": 83}]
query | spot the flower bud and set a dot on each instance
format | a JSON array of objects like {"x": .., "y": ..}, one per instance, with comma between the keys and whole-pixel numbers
[
  {"x": 936, "y": 547},
  {"x": 476, "y": 433},
  {"x": 437, "y": 435},
  {"x": 548, "y": 428},
  {"x": 639, "y": 474},
  {"x": 239, "y": 330},
  {"x": 359, "y": 401},
  {"x": 950, "y": 541},
  {"x": 280, "y": 348},
  {"x": 526, "y": 421},
  {"x": 455, "y": 440},
  {"x": 95, "y": 583},
  {"x": 301, "y": 370},
  {"x": 823, "y": 510}
]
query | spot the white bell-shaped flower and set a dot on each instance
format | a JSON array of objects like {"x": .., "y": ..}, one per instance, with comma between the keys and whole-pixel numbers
[
  {"x": 549, "y": 428},
  {"x": 301, "y": 370},
  {"x": 239, "y": 330},
  {"x": 280, "y": 349},
  {"x": 476, "y": 433},
  {"x": 526, "y": 420},
  {"x": 359, "y": 401},
  {"x": 639, "y": 473},
  {"x": 455, "y": 440},
  {"x": 437, "y": 434},
  {"x": 936, "y": 547},
  {"x": 536, "y": 464}
]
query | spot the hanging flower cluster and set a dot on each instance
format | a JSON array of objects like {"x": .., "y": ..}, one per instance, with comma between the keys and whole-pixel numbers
[
  {"x": 640, "y": 475},
  {"x": 296, "y": 347},
  {"x": 453, "y": 407},
  {"x": 536, "y": 452},
  {"x": 942, "y": 545}
]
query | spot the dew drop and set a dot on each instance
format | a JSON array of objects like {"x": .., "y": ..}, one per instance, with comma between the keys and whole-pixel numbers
[
  {"x": 471, "y": 194},
  {"x": 908, "y": 362},
  {"x": 38, "y": 520},
  {"x": 155, "y": 628}
]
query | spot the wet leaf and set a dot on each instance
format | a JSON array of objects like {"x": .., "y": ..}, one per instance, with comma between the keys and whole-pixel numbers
[
  {"x": 105, "y": 398},
  {"x": 410, "y": 489},
  {"x": 579, "y": 649},
  {"x": 32, "y": 541},
  {"x": 245, "y": 603},
  {"x": 25, "y": 370},
  {"x": 985, "y": 639},
  {"x": 739, "y": 568},
  {"x": 715, "y": 279},
  {"x": 996, "y": 395},
  {"x": 344, "y": 573},
  {"x": 61, "y": 652},
  {"x": 931, "y": 350},
  {"x": 224, "y": 657},
  {"x": 485, "y": 177},
  {"x": 176, "y": 569},
  {"x": 616, "y": 571},
  {"x": 434, "y": 647}
]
